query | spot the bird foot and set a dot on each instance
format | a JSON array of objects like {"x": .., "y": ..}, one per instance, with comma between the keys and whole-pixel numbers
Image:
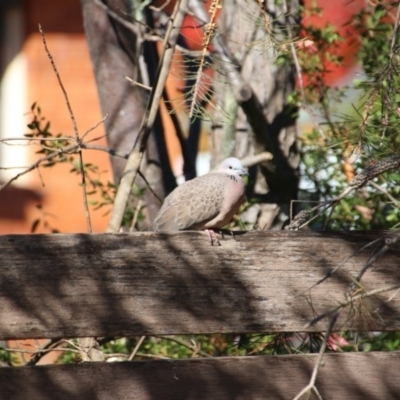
[{"x": 213, "y": 237}]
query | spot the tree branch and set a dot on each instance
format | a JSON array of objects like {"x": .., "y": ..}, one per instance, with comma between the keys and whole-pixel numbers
[{"x": 136, "y": 155}]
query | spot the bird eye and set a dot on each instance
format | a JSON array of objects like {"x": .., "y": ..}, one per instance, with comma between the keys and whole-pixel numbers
[{"x": 230, "y": 167}]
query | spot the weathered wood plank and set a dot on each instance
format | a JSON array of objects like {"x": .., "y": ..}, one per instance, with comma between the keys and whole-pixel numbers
[
  {"x": 147, "y": 283},
  {"x": 355, "y": 376}
]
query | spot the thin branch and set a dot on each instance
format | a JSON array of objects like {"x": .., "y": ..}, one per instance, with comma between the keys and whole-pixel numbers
[
  {"x": 136, "y": 155},
  {"x": 209, "y": 31},
  {"x": 92, "y": 128},
  {"x": 395, "y": 28},
  {"x": 385, "y": 192},
  {"x": 37, "y": 139},
  {"x": 330, "y": 273},
  {"x": 300, "y": 79},
  {"x": 371, "y": 260},
  {"x": 189, "y": 164},
  {"x": 136, "y": 215},
  {"x": 38, "y": 162},
  {"x": 350, "y": 301},
  {"x": 249, "y": 161},
  {"x": 135, "y": 83},
  {"x": 311, "y": 384},
  {"x": 136, "y": 349},
  {"x": 158, "y": 9},
  {"x": 127, "y": 24},
  {"x": 186, "y": 344},
  {"x": 72, "y": 149},
  {"x": 75, "y": 127},
  {"x": 372, "y": 171}
]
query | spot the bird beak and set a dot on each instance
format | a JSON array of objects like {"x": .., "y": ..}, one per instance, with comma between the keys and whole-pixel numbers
[{"x": 244, "y": 172}]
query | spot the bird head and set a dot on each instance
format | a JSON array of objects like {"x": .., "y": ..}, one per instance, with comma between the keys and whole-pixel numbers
[{"x": 233, "y": 166}]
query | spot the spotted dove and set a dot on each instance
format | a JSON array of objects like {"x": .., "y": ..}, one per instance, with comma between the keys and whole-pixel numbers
[{"x": 207, "y": 202}]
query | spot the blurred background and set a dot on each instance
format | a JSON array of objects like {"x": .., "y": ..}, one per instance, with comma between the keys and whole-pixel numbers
[{"x": 26, "y": 77}]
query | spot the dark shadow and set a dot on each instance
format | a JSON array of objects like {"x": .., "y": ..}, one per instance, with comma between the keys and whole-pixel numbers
[
  {"x": 14, "y": 201},
  {"x": 148, "y": 284}
]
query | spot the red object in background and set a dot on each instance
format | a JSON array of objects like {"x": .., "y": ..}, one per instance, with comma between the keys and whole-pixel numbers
[{"x": 339, "y": 14}]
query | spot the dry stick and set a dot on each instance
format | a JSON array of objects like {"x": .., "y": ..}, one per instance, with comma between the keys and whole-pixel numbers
[
  {"x": 330, "y": 273},
  {"x": 249, "y": 161},
  {"x": 136, "y": 155},
  {"x": 385, "y": 192},
  {"x": 89, "y": 353},
  {"x": 311, "y": 384},
  {"x": 300, "y": 79},
  {"x": 37, "y": 355},
  {"x": 93, "y": 128},
  {"x": 179, "y": 133},
  {"x": 376, "y": 256},
  {"x": 36, "y": 164},
  {"x": 395, "y": 28},
  {"x": 77, "y": 138},
  {"x": 185, "y": 344},
  {"x": 136, "y": 215},
  {"x": 38, "y": 139},
  {"x": 209, "y": 31},
  {"x": 122, "y": 155},
  {"x": 155, "y": 37},
  {"x": 387, "y": 164},
  {"x": 136, "y": 349},
  {"x": 242, "y": 90},
  {"x": 136, "y": 83},
  {"x": 71, "y": 150},
  {"x": 385, "y": 116},
  {"x": 158, "y": 9},
  {"x": 350, "y": 301},
  {"x": 129, "y": 25}
]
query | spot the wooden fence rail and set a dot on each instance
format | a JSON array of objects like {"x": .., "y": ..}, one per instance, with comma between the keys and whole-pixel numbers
[{"x": 151, "y": 284}]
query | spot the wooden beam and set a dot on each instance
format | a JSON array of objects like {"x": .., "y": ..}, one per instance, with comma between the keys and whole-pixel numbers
[
  {"x": 355, "y": 376},
  {"x": 147, "y": 283}
]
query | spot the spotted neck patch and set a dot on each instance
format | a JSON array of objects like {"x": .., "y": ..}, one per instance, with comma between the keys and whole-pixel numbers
[{"x": 233, "y": 177}]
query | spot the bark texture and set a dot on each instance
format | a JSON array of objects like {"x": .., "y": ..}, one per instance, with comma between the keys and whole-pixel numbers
[
  {"x": 253, "y": 37},
  {"x": 117, "y": 51}
]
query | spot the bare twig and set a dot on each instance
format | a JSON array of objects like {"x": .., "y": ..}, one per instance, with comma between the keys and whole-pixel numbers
[
  {"x": 350, "y": 301},
  {"x": 190, "y": 346},
  {"x": 385, "y": 192},
  {"x": 136, "y": 349},
  {"x": 242, "y": 90},
  {"x": 330, "y": 273},
  {"x": 189, "y": 164},
  {"x": 209, "y": 31},
  {"x": 249, "y": 161},
  {"x": 158, "y": 9},
  {"x": 394, "y": 34},
  {"x": 136, "y": 155},
  {"x": 75, "y": 127},
  {"x": 372, "y": 171},
  {"x": 300, "y": 79},
  {"x": 136, "y": 83},
  {"x": 156, "y": 36},
  {"x": 311, "y": 384},
  {"x": 72, "y": 149},
  {"x": 371, "y": 260},
  {"x": 38, "y": 162}
]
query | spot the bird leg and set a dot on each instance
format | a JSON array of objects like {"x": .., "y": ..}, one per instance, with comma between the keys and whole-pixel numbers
[{"x": 213, "y": 237}]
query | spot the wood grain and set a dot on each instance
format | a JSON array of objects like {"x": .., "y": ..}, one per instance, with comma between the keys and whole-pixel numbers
[
  {"x": 147, "y": 283},
  {"x": 355, "y": 376}
]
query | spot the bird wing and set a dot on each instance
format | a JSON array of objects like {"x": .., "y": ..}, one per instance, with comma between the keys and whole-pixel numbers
[{"x": 192, "y": 204}]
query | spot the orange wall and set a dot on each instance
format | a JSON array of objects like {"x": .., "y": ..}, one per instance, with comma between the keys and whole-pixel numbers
[{"x": 55, "y": 188}]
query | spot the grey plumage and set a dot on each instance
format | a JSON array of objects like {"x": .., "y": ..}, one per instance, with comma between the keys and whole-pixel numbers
[{"x": 207, "y": 202}]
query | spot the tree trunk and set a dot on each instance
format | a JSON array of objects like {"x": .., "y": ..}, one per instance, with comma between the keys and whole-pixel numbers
[
  {"x": 254, "y": 38},
  {"x": 117, "y": 51}
]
